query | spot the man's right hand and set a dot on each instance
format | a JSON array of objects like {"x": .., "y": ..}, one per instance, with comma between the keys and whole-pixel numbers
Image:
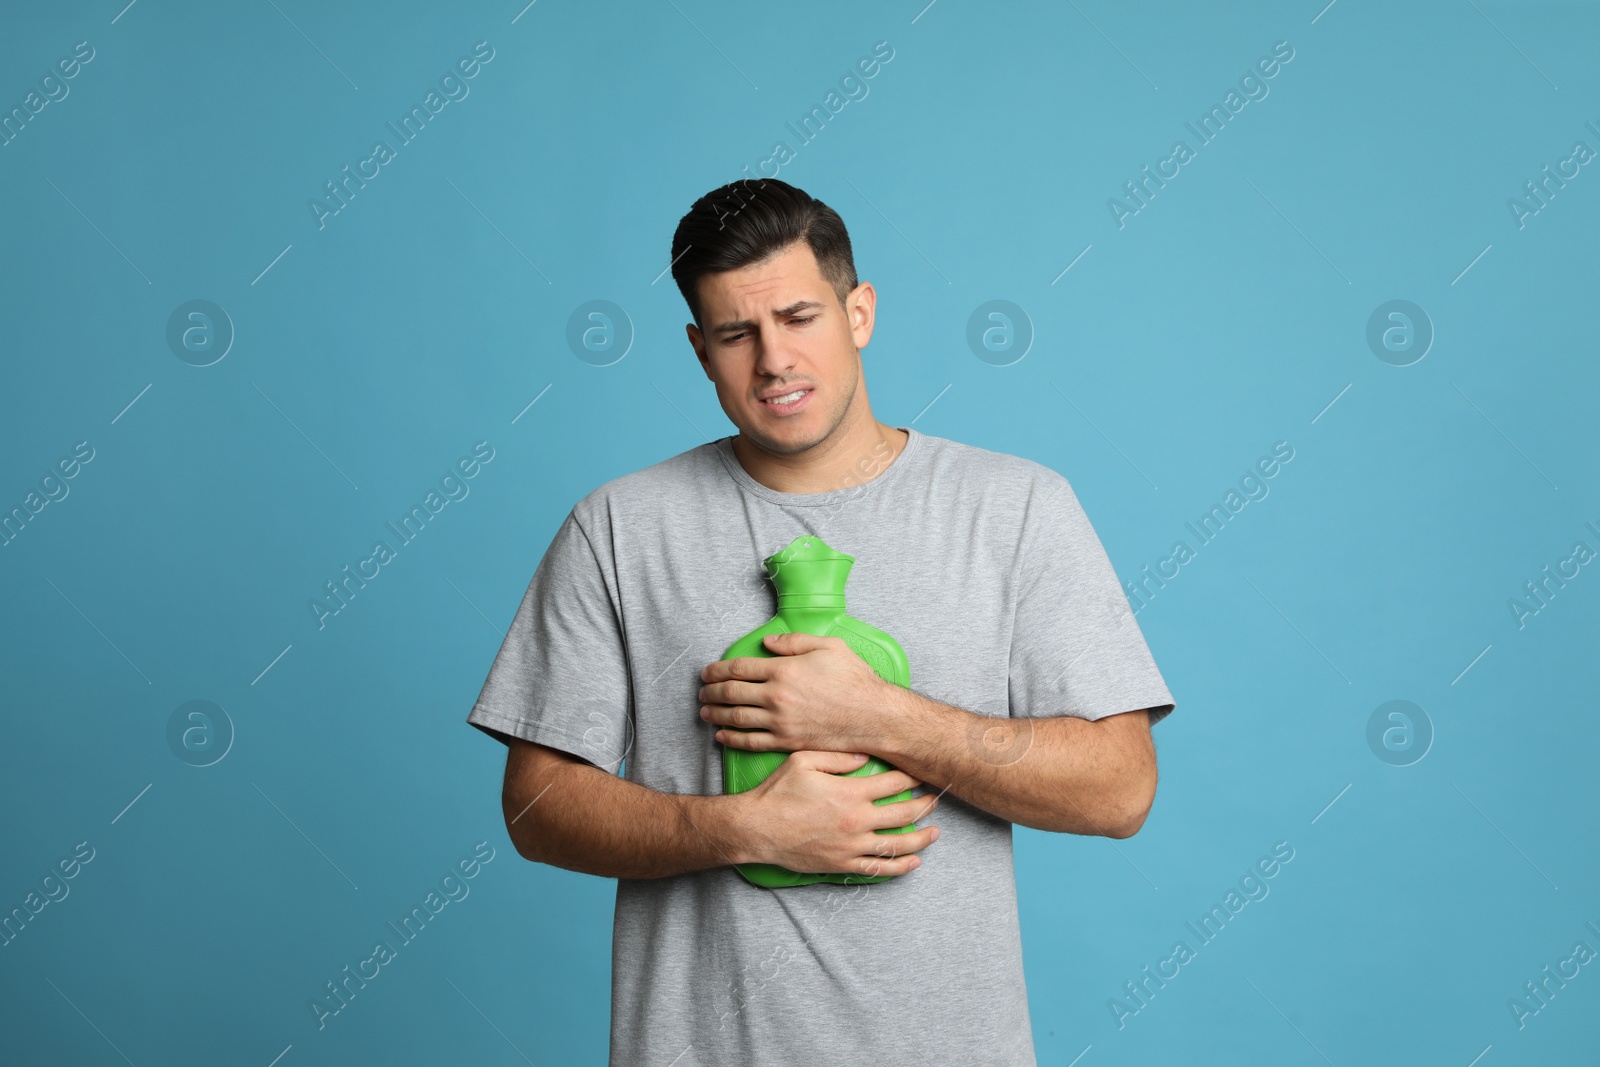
[{"x": 809, "y": 817}]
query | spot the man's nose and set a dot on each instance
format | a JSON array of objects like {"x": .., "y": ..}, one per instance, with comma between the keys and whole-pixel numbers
[{"x": 775, "y": 354}]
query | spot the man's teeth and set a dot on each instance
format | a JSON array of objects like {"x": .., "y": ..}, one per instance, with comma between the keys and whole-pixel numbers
[{"x": 788, "y": 398}]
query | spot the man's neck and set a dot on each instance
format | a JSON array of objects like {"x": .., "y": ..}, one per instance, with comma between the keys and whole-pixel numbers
[{"x": 852, "y": 460}]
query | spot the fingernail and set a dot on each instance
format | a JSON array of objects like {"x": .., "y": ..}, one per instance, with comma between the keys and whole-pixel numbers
[
  {"x": 935, "y": 835},
  {"x": 859, "y": 755}
]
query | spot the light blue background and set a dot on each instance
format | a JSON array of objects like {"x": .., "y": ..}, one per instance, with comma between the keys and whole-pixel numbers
[{"x": 1229, "y": 314}]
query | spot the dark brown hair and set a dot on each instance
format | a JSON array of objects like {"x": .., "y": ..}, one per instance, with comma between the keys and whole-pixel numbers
[{"x": 751, "y": 220}]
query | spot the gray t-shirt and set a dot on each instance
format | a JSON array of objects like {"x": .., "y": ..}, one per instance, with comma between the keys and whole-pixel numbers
[{"x": 985, "y": 569}]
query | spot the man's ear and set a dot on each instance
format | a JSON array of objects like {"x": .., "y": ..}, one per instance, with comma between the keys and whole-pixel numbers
[
  {"x": 698, "y": 343},
  {"x": 861, "y": 311}
]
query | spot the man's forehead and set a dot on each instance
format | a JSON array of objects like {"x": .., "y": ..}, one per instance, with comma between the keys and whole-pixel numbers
[{"x": 762, "y": 290}]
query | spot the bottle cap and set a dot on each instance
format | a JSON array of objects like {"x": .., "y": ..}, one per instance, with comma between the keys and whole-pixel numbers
[{"x": 807, "y": 573}]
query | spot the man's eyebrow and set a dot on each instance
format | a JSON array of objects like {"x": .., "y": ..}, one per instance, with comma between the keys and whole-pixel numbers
[{"x": 783, "y": 312}]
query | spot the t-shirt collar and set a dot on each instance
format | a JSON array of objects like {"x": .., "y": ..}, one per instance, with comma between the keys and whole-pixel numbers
[{"x": 852, "y": 491}]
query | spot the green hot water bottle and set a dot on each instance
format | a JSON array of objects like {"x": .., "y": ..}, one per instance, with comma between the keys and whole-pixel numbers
[{"x": 810, "y": 577}]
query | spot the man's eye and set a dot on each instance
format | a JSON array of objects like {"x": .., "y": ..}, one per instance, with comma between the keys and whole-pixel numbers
[{"x": 729, "y": 339}]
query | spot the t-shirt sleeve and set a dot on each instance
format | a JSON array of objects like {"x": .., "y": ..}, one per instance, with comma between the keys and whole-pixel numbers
[
  {"x": 561, "y": 676},
  {"x": 1075, "y": 647}
]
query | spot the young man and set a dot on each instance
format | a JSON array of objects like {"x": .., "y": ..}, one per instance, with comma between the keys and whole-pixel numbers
[{"x": 1031, "y": 700}]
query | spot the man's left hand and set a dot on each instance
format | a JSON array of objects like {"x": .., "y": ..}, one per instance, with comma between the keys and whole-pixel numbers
[{"x": 815, "y": 693}]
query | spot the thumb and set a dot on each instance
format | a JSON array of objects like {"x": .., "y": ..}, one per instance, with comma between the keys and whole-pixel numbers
[
  {"x": 832, "y": 762},
  {"x": 793, "y": 643}
]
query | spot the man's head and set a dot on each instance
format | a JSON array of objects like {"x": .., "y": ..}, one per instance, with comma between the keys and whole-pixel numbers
[{"x": 769, "y": 279}]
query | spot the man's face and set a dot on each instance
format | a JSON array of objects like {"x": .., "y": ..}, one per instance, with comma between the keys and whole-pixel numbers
[{"x": 777, "y": 328}]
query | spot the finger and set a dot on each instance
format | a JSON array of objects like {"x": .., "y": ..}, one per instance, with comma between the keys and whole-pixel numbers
[
  {"x": 898, "y": 857},
  {"x": 904, "y": 843},
  {"x": 741, "y": 715},
  {"x": 887, "y": 784},
  {"x": 902, "y": 813},
  {"x": 791, "y": 644},
  {"x": 821, "y": 759},
  {"x": 720, "y": 714},
  {"x": 749, "y": 740},
  {"x": 876, "y": 867},
  {"x": 747, "y": 668},
  {"x": 732, "y": 692}
]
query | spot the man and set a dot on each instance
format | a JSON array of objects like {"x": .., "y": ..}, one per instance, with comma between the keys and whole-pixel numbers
[{"x": 1032, "y": 692}]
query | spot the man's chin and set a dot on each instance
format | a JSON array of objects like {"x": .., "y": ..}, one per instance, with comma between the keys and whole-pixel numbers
[{"x": 796, "y": 440}]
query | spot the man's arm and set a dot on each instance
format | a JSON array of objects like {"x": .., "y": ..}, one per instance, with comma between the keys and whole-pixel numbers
[
  {"x": 1060, "y": 773},
  {"x": 566, "y": 812}
]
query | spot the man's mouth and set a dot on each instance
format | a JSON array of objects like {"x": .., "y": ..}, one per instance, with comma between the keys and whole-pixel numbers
[{"x": 787, "y": 402}]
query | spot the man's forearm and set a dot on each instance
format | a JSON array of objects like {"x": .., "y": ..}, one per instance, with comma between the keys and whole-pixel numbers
[
  {"x": 1058, "y": 773},
  {"x": 575, "y": 816}
]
